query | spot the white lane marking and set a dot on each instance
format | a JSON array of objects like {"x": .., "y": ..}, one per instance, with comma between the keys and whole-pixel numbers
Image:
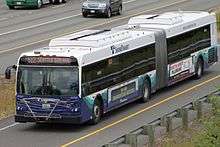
[
  {"x": 89, "y": 27},
  {"x": 58, "y": 6},
  {"x": 48, "y": 22},
  {"x": 9, "y": 126},
  {"x": 130, "y": 1},
  {"x": 2, "y": 19},
  {"x": 38, "y": 25}
]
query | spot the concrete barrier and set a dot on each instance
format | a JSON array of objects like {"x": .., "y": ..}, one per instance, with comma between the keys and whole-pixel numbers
[
  {"x": 147, "y": 135},
  {"x": 142, "y": 140},
  {"x": 192, "y": 115},
  {"x": 131, "y": 139}
]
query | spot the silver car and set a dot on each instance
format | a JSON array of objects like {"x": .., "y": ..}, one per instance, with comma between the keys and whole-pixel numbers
[{"x": 106, "y": 7}]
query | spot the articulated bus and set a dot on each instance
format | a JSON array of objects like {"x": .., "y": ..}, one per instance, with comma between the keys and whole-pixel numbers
[{"x": 84, "y": 75}]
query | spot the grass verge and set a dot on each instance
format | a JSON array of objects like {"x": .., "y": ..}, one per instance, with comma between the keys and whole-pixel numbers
[{"x": 7, "y": 98}]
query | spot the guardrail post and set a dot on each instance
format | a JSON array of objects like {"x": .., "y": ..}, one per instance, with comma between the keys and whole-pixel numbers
[
  {"x": 131, "y": 139},
  {"x": 185, "y": 118},
  {"x": 149, "y": 130},
  {"x": 199, "y": 110},
  {"x": 111, "y": 145},
  {"x": 169, "y": 126},
  {"x": 163, "y": 121},
  {"x": 179, "y": 112}
]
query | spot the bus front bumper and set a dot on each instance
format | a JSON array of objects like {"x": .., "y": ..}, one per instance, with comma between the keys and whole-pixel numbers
[{"x": 69, "y": 120}]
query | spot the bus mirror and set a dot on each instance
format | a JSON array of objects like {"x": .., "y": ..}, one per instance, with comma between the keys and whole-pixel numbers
[
  {"x": 14, "y": 67},
  {"x": 8, "y": 71}
]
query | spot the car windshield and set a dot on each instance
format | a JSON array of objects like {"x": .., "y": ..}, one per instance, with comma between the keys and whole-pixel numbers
[{"x": 48, "y": 81}]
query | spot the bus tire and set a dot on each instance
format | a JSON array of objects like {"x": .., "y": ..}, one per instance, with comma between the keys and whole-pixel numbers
[
  {"x": 199, "y": 69},
  {"x": 146, "y": 92},
  {"x": 96, "y": 112}
]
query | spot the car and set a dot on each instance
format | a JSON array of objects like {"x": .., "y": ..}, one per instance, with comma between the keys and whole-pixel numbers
[
  {"x": 106, "y": 7},
  {"x": 31, "y": 3}
]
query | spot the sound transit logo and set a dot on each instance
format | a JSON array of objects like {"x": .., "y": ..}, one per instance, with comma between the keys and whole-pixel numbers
[{"x": 121, "y": 48}]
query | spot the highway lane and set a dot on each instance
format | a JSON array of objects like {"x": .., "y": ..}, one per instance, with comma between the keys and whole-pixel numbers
[
  {"x": 45, "y": 24},
  {"x": 54, "y": 14},
  {"x": 56, "y": 135},
  {"x": 48, "y": 30},
  {"x": 19, "y": 40}
]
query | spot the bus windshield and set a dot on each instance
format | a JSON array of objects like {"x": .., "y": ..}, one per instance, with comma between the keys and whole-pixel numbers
[{"x": 49, "y": 81}]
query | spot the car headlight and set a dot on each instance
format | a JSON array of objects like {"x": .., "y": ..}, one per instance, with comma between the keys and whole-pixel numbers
[{"x": 102, "y": 5}]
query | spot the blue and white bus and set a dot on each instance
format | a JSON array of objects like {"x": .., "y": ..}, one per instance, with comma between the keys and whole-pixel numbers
[{"x": 84, "y": 75}]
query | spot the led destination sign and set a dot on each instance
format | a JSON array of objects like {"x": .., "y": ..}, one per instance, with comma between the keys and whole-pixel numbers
[{"x": 42, "y": 60}]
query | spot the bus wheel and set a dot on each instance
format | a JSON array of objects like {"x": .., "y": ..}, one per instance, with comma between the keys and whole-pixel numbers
[
  {"x": 146, "y": 92},
  {"x": 199, "y": 69},
  {"x": 97, "y": 112}
]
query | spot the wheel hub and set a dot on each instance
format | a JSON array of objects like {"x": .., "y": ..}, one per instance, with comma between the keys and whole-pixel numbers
[
  {"x": 96, "y": 111},
  {"x": 145, "y": 92}
]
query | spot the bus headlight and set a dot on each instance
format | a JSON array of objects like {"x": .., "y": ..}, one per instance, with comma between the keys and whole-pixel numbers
[
  {"x": 19, "y": 108},
  {"x": 75, "y": 110}
]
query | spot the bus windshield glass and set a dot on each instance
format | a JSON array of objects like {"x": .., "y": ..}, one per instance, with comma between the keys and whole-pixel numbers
[{"x": 48, "y": 81}]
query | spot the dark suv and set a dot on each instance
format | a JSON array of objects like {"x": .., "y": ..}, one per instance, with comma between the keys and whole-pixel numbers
[{"x": 106, "y": 7}]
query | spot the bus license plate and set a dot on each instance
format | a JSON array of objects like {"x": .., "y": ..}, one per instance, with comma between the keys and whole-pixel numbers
[
  {"x": 45, "y": 106},
  {"x": 18, "y": 3}
]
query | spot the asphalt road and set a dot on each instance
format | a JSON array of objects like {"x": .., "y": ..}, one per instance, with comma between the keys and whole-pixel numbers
[{"x": 24, "y": 30}]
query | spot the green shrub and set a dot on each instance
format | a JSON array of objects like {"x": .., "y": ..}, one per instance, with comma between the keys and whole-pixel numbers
[{"x": 210, "y": 136}]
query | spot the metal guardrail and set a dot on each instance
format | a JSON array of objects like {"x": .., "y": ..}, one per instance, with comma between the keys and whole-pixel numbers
[{"x": 132, "y": 136}]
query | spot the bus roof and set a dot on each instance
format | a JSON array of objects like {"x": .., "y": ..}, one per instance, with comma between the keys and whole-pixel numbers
[
  {"x": 89, "y": 46},
  {"x": 174, "y": 23}
]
